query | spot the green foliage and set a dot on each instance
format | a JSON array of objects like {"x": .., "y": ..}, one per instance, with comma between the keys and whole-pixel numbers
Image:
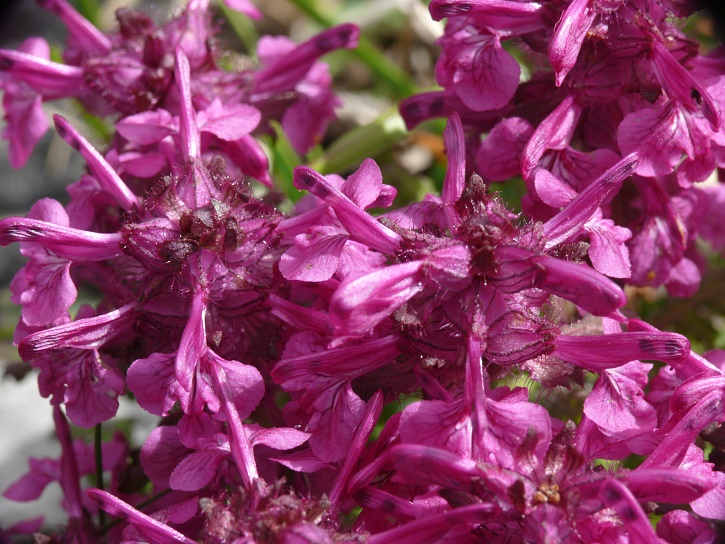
[{"x": 283, "y": 160}]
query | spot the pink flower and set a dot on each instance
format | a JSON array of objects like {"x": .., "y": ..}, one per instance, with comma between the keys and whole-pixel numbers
[{"x": 26, "y": 76}]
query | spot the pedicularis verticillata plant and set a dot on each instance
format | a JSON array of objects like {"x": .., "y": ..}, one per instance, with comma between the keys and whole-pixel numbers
[{"x": 268, "y": 342}]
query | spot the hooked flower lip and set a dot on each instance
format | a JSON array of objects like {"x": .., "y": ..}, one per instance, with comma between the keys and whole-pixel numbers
[
  {"x": 65, "y": 242},
  {"x": 580, "y": 284},
  {"x": 570, "y": 219},
  {"x": 89, "y": 38},
  {"x": 88, "y": 333},
  {"x": 50, "y": 79},
  {"x": 146, "y": 525},
  {"x": 286, "y": 71},
  {"x": 361, "y": 226},
  {"x": 596, "y": 353},
  {"x": 569, "y": 35},
  {"x": 99, "y": 167},
  {"x": 502, "y": 15},
  {"x": 682, "y": 86}
]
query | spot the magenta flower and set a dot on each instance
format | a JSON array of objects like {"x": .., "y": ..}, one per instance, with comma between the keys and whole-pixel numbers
[
  {"x": 325, "y": 399},
  {"x": 331, "y": 375},
  {"x": 132, "y": 71},
  {"x": 579, "y": 118},
  {"x": 44, "y": 287},
  {"x": 84, "y": 38},
  {"x": 616, "y": 404},
  {"x": 294, "y": 68},
  {"x": 209, "y": 458},
  {"x": 553, "y": 483},
  {"x": 680, "y": 526},
  {"x": 197, "y": 251},
  {"x": 26, "y": 77},
  {"x": 473, "y": 62},
  {"x": 146, "y": 527},
  {"x": 77, "y": 459},
  {"x": 321, "y": 234}
]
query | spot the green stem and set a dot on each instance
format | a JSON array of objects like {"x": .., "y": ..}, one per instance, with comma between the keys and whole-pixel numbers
[
  {"x": 383, "y": 68},
  {"x": 98, "y": 451}
]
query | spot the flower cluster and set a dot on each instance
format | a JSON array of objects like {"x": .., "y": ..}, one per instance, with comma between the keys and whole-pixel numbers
[
  {"x": 329, "y": 375},
  {"x": 605, "y": 79}
]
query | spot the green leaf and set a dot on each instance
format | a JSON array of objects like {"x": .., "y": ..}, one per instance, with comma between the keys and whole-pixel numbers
[
  {"x": 284, "y": 160},
  {"x": 243, "y": 27},
  {"x": 102, "y": 128},
  {"x": 350, "y": 149},
  {"x": 90, "y": 9},
  {"x": 511, "y": 191}
]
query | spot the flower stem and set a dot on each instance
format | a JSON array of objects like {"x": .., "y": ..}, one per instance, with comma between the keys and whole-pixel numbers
[{"x": 98, "y": 451}]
